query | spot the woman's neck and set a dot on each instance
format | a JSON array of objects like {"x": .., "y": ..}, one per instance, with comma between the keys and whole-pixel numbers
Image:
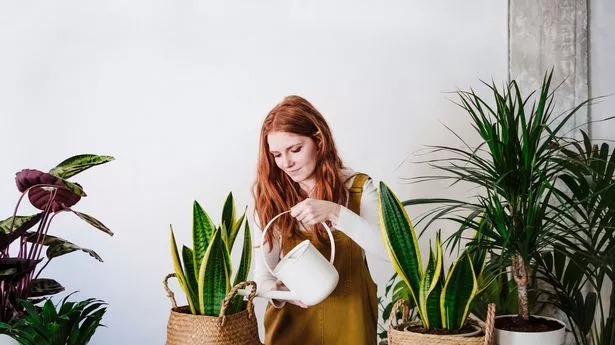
[{"x": 308, "y": 186}]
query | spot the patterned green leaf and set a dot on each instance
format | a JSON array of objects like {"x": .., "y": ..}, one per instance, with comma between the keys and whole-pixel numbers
[
  {"x": 459, "y": 291},
  {"x": 246, "y": 256},
  {"x": 76, "y": 164},
  {"x": 179, "y": 273},
  {"x": 202, "y": 231},
  {"x": 235, "y": 230},
  {"x": 213, "y": 278},
  {"x": 400, "y": 240},
  {"x": 190, "y": 272},
  {"x": 60, "y": 247},
  {"x": 431, "y": 287},
  {"x": 93, "y": 222},
  {"x": 44, "y": 287},
  {"x": 228, "y": 212}
]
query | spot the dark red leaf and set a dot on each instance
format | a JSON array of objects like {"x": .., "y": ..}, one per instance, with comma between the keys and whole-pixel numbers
[{"x": 39, "y": 196}]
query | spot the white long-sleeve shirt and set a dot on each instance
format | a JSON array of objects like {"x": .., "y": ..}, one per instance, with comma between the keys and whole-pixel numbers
[{"x": 364, "y": 229}]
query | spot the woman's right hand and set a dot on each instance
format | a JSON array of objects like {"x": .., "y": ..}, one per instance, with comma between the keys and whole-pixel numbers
[{"x": 281, "y": 287}]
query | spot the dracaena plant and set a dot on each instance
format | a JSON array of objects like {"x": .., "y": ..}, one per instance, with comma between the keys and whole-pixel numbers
[
  {"x": 514, "y": 170},
  {"x": 205, "y": 275},
  {"x": 442, "y": 299},
  {"x": 21, "y": 249}
]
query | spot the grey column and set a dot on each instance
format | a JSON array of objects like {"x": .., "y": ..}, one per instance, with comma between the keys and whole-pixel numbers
[{"x": 552, "y": 33}]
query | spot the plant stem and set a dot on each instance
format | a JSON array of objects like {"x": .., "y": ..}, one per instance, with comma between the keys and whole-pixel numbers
[{"x": 520, "y": 276}]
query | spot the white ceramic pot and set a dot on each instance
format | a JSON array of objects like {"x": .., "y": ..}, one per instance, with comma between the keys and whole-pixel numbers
[
  {"x": 556, "y": 337},
  {"x": 6, "y": 340}
]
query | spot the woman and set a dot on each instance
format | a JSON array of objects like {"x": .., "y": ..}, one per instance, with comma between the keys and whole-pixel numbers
[{"x": 299, "y": 170}]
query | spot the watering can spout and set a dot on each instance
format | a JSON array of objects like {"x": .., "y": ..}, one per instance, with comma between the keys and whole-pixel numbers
[{"x": 273, "y": 294}]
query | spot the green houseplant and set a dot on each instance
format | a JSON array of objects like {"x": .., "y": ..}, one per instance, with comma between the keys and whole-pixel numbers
[
  {"x": 204, "y": 273},
  {"x": 576, "y": 271},
  {"x": 442, "y": 300},
  {"x": 514, "y": 169},
  {"x": 68, "y": 323},
  {"x": 21, "y": 250}
]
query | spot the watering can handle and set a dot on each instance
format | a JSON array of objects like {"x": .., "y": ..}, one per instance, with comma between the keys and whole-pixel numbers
[{"x": 262, "y": 243}]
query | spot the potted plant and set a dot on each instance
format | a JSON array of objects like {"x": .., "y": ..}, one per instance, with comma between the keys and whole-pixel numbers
[
  {"x": 514, "y": 170},
  {"x": 582, "y": 260},
  {"x": 21, "y": 249},
  {"x": 68, "y": 323},
  {"x": 214, "y": 314},
  {"x": 442, "y": 299}
]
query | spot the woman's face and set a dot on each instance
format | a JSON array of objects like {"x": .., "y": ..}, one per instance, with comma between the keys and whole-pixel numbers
[{"x": 293, "y": 153}]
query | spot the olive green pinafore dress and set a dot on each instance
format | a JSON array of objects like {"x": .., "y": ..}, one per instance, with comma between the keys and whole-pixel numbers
[{"x": 349, "y": 315}]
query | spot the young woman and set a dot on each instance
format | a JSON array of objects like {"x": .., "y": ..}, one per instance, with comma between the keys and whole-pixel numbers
[{"x": 299, "y": 170}]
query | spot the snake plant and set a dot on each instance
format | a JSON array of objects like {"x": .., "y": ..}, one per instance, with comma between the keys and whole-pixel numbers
[
  {"x": 205, "y": 275},
  {"x": 443, "y": 299}
]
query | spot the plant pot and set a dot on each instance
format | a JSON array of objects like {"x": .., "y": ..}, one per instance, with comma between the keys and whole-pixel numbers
[
  {"x": 399, "y": 335},
  {"x": 6, "y": 340},
  {"x": 555, "y": 337},
  {"x": 240, "y": 328}
]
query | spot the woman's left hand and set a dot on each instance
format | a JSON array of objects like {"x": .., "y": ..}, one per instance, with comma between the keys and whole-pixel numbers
[{"x": 312, "y": 211}]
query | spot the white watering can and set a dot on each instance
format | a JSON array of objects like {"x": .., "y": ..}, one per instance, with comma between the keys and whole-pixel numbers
[{"x": 304, "y": 271}]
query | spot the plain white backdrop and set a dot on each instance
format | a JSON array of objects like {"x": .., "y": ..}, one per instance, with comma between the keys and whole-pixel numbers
[{"x": 177, "y": 91}]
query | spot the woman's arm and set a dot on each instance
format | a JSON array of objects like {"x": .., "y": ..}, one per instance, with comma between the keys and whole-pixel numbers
[{"x": 364, "y": 229}]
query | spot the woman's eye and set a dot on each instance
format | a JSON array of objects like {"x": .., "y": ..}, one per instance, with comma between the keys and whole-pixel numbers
[
  {"x": 297, "y": 149},
  {"x": 277, "y": 156}
]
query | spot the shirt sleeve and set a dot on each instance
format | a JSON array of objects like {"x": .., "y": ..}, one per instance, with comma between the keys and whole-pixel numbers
[
  {"x": 265, "y": 281},
  {"x": 364, "y": 229}
]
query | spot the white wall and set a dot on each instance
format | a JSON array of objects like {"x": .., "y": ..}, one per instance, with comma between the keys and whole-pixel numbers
[
  {"x": 602, "y": 81},
  {"x": 176, "y": 91}
]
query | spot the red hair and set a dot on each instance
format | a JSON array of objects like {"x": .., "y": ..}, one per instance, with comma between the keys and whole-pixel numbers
[{"x": 274, "y": 191}]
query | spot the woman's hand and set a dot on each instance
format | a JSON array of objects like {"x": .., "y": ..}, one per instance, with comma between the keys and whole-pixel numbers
[
  {"x": 312, "y": 211},
  {"x": 281, "y": 287}
]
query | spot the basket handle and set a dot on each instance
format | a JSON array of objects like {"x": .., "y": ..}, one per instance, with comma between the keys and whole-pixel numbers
[
  {"x": 170, "y": 293},
  {"x": 488, "y": 324},
  {"x": 233, "y": 293},
  {"x": 405, "y": 312}
]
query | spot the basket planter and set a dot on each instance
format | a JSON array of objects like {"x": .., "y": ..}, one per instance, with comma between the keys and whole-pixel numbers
[
  {"x": 555, "y": 337},
  {"x": 185, "y": 328},
  {"x": 398, "y": 335}
]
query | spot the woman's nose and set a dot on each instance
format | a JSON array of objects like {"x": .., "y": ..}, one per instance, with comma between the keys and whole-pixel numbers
[{"x": 288, "y": 162}]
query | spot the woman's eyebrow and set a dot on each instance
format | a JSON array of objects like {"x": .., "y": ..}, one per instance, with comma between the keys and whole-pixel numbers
[{"x": 288, "y": 148}]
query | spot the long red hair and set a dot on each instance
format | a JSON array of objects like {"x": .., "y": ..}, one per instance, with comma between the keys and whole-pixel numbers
[{"x": 274, "y": 191}]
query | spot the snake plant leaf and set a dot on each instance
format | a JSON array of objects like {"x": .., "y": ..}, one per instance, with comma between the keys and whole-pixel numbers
[
  {"x": 243, "y": 270},
  {"x": 246, "y": 256},
  {"x": 431, "y": 288},
  {"x": 459, "y": 290},
  {"x": 202, "y": 232},
  {"x": 76, "y": 164},
  {"x": 235, "y": 230},
  {"x": 213, "y": 278},
  {"x": 228, "y": 214},
  {"x": 400, "y": 240},
  {"x": 94, "y": 222},
  {"x": 179, "y": 273},
  {"x": 190, "y": 272},
  {"x": 227, "y": 252}
]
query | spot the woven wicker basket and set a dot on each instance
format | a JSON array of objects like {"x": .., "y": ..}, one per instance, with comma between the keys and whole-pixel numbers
[
  {"x": 185, "y": 328},
  {"x": 399, "y": 336}
]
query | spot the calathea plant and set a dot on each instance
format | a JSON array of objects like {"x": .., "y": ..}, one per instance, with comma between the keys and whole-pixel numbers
[
  {"x": 52, "y": 194},
  {"x": 443, "y": 300},
  {"x": 205, "y": 275}
]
